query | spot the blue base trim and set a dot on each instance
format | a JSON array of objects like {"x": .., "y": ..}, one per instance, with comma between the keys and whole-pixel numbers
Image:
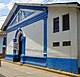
[
  {"x": 41, "y": 61},
  {"x": 11, "y": 57},
  {"x": 69, "y": 65}
]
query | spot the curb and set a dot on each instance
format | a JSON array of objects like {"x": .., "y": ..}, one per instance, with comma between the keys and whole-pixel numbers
[{"x": 46, "y": 69}]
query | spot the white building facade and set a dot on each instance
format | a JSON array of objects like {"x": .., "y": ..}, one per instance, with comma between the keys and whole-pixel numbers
[{"x": 45, "y": 35}]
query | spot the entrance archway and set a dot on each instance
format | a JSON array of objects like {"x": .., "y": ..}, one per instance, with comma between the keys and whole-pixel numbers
[{"x": 19, "y": 45}]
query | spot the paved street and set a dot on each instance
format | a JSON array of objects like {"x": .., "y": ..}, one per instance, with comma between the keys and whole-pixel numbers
[{"x": 12, "y": 70}]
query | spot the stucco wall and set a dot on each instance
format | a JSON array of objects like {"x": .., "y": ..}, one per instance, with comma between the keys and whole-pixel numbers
[
  {"x": 69, "y": 35},
  {"x": 34, "y": 38},
  {"x": 34, "y": 35},
  {"x": 32, "y": 15},
  {"x": 78, "y": 35},
  {"x": 10, "y": 37}
]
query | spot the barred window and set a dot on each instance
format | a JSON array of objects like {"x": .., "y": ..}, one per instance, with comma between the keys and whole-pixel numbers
[
  {"x": 55, "y": 44},
  {"x": 56, "y": 25},
  {"x": 66, "y": 43},
  {"x": 66, "y": 22}
]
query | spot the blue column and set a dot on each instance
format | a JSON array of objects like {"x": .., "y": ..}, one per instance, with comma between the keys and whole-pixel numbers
[
  {"x": 23, "y": 49},
  {"x": 23, "y": 45},
  {"x": 45, "y": 36},
  {"x": 14, "y": 51}
]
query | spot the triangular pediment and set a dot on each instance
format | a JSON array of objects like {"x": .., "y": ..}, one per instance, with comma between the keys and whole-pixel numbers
[{"x": 23, "y": 14}]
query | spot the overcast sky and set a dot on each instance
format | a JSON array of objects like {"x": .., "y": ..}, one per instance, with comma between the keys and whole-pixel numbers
[{"x": 6, "y": 5}]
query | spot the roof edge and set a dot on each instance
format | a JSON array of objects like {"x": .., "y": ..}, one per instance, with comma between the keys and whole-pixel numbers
[{"x": 32, "y": 4}]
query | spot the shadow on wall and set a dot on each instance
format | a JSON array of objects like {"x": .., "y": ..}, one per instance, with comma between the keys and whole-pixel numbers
[{"x": 35, "y": 35}]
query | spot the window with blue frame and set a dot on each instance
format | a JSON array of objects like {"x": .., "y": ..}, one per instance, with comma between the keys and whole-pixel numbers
[{"x": 27, "y": 13}]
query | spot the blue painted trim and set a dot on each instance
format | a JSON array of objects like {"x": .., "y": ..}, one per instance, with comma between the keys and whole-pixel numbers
[
  {"x": 26, "y": 13},
  {"x": 19, "y": 16},
  {"x": 23, "y": 45},
  {"x": 15, "y": 40},
  {"x": 19, "y": 30},
  {"x": 11, "y": 57},
  {"x": 40, "y": 61},
  {"x": 13, "y": 22},
  {"x": 64, "y": 64},
  {"x": 17, "y": 9},
  {"x": 36, "y": 57},
  {"x": 42, "y": 8},
  {"x": 54, "y": 63},
  {"x": 28, "y": 22},
  {"x": 14, "y": 51},
  {"x": 45, "y": 36}
]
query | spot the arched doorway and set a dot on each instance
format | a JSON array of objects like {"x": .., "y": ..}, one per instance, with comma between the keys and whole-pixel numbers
[{"x": 20, "y": 45}]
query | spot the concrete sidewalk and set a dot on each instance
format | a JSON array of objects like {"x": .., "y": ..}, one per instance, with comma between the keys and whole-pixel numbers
[{"x": 12, "y": 70}]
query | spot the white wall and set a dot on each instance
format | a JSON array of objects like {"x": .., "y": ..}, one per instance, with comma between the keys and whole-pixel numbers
[
  {"x": 34, "y": 38},
  {"x": 32, "y": 15},
  {"x": 34, "y": 34},
  {"x": 10, "y": 37},
  {"x": 69, "y": 35},
  {"x": 1, "y": 43},
  {"x": 78, "y": 35}
]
